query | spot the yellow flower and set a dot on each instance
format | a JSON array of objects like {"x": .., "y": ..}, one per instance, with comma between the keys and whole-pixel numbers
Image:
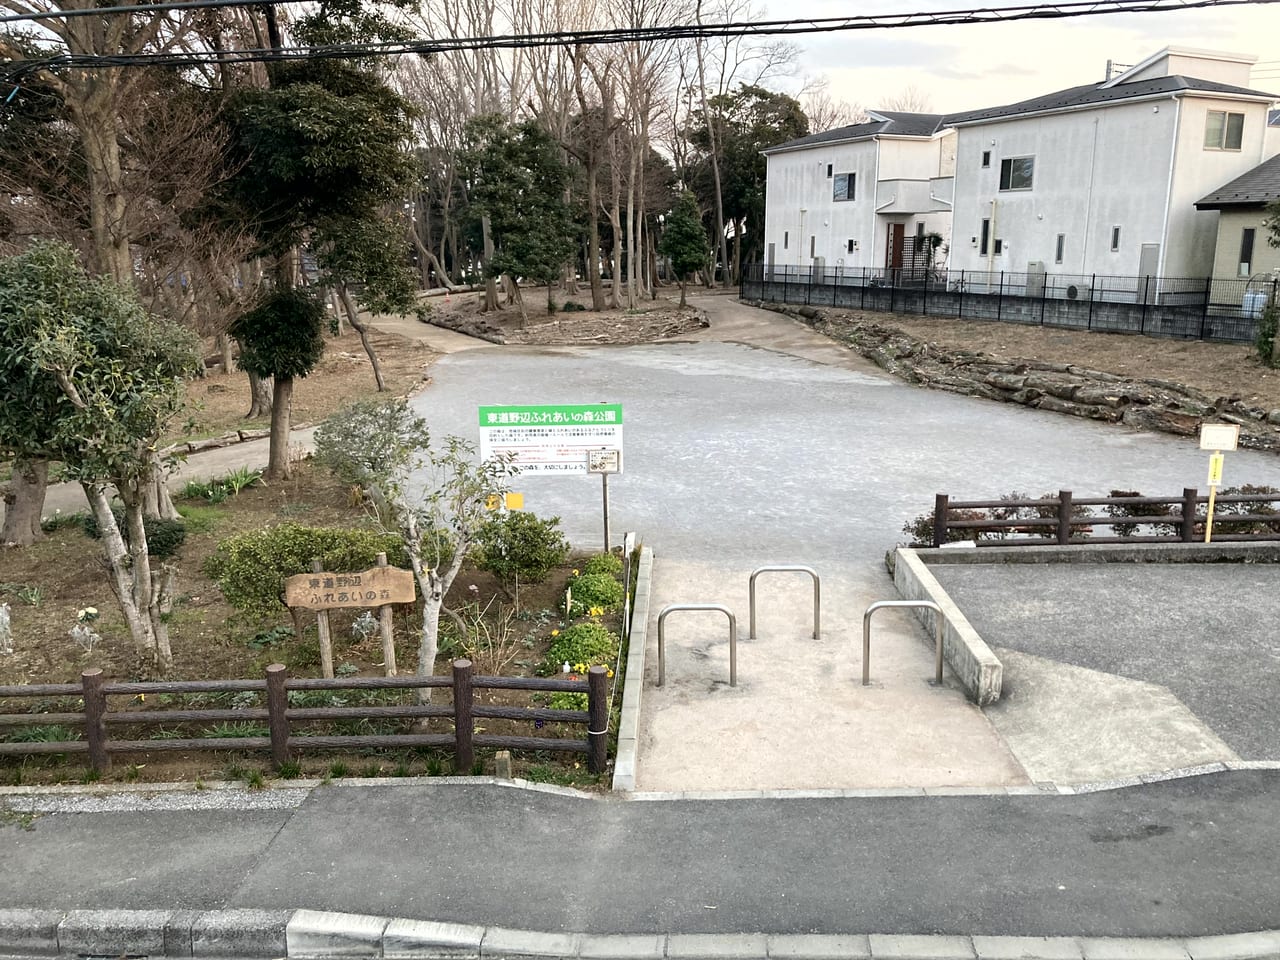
[
  {"x": 596, "y": 611},
  {"x": 555, "y": 633},
  {"x": 575, "y": 573},
  {"x": 609, "y": 673}
]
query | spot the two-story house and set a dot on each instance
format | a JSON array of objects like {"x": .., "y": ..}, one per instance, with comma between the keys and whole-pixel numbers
[
  {"x": 862, "y": 196},
  {"x": 1103, "y": 178}
]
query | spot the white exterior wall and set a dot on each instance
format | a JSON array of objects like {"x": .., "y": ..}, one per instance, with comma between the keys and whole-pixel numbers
[
  {"x": 1094, "y": 169},
  {"x": 1192, "y": 233},
  {"x": 1232, "y": 68},
  {"x": 797, "y": 181},
  {"x": 798, "y": 205}
]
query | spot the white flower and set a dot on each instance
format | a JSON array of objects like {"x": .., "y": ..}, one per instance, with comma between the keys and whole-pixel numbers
[{"x": 87, "y": 614}]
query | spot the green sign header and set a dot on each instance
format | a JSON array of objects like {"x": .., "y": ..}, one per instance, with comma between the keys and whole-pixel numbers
[{"x": 552, "y": 415}]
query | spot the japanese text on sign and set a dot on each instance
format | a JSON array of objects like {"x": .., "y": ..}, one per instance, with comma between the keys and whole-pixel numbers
[
  {"x": 550, "y": 438},
  {"x": 368, "y": 588}
]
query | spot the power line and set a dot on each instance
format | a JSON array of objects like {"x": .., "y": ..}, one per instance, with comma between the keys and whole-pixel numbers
[
  {"x": 135, "y": 8},
  {"x": 1045, "y": 11}
]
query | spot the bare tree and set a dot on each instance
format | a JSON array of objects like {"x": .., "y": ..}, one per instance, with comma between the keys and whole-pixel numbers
[
  {"x": 824, "y": 111},
  {"x": 910, "y": 100}
]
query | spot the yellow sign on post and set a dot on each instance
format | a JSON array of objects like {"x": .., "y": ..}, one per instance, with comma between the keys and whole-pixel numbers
[
  {"x": 1215, "y": 469},
  {"x": 1216, "y": 437}
]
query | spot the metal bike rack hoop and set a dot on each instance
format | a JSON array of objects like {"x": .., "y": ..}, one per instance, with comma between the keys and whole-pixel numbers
[
  {"x": 733, "y": 637},
  {"x": 788, "y": 568},
  {"x": 939, "y": 626}
]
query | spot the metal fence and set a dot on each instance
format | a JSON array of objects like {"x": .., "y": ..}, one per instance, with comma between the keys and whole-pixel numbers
[{"x": 1188, "y": 309}]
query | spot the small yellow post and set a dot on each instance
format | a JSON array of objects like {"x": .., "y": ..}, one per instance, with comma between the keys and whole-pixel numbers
[{"x": 1215, "y": 480}]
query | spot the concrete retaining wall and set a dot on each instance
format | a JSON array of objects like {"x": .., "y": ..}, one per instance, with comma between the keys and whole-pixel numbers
[
  {"x": 968, "y": 655},
  {"x": 624, "y": 765}
]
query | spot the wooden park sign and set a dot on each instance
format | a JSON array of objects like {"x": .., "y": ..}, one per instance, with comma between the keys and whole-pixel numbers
[
  {"x": 322, "y": 591},
  {"x": 368, "y": 588}
]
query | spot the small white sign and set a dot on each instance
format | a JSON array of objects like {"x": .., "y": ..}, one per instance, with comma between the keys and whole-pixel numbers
[
  {"x": 1219, "y": 436},
  {"x": 604, "y": 461}
]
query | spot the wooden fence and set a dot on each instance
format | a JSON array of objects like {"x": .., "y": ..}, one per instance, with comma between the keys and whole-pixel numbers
[
  {"x": 95, "y": 717},
  {"x": 1066, "y": 519}
]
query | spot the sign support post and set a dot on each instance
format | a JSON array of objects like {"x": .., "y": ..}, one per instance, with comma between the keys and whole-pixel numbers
[
  {"x": 604, "y": 462},
  {"x": 1216, "y": 437},
  {"x": 604, "y": 489}
]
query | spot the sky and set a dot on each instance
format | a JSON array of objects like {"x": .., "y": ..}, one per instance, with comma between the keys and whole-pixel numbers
[{"x": 980, "y": 65}]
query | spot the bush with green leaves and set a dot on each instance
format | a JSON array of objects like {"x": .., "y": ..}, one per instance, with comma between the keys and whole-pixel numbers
[
  {"x": 568, "y": 701},
  {"x": 609, "y": 563},
  {"x": 586, "y": 643},
  {"x": 594, "y": 590},
  {"x": 521, "y": 546},
  {"x": 164, "y": 537},
  {"x": 250, "y": 567}
]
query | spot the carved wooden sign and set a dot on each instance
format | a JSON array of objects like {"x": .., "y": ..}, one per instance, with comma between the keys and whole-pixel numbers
[{"x": 368, "y": 588}]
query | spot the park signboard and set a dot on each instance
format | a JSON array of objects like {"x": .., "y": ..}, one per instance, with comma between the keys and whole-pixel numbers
[{"x": 561, "y": 439}]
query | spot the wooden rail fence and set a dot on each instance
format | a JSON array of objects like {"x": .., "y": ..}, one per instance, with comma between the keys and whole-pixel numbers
[
  {"x": 1066, "y": 519},
  {"x": 95, "y": 717}
]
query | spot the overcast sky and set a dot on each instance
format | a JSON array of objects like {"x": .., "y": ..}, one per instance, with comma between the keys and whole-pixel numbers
[{"x": 979, "y": 65}]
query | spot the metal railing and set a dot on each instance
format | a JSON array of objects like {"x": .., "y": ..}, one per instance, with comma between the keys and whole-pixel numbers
[
  {"x": 1189, "y": 308},
  {"x": 939, "y": 626},
  {"x": 788, "y": 568},
  {"x": 733, "y": 637}
]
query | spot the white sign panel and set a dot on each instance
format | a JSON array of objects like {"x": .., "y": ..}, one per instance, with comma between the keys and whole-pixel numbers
[
  {"x": 1219, "y": 436},
  {"x": 552, "y": 439}
]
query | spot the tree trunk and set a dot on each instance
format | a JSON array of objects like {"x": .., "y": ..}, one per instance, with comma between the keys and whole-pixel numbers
[
  {"x": 682, "y": 293},
  {"x": 353, "y": 314},
  {"x": 715, "y": 162},
  {"x": 278, "y": 459},
  {"x": 130, "y": 568},
  {"x": 24, "y": 503},
  {"x": 490, "y": 282},
  {"x": 155, "y": 498},
  {"x": 92, "y": 107},
  {"x": 259, "y": 397},
  {"x": 615, "y": 221},
  {"x": 224, "y": 348}
]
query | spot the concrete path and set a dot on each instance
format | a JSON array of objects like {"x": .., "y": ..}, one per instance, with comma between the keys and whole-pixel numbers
[{"x": 1185, "y": 857}]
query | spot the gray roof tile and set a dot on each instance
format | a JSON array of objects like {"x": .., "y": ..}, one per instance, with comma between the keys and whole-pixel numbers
[{"x": 1259, "y": 185}]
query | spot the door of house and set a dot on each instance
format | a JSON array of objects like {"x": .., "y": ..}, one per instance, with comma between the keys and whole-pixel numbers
[
  {"x": 1149, "y": 260},
  {"x": 893, "y": 248}
]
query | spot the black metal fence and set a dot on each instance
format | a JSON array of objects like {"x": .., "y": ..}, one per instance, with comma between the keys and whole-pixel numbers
[{"x": 1188, "y": 309}]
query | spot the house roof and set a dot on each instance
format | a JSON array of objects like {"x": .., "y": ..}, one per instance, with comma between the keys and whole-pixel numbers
[
  {"x": 882, "y": 124},
  {"x": 1099, "y": 93},
  {"x": 1259, "y": 185}
]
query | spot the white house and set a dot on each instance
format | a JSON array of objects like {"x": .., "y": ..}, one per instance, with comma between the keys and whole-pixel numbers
[
  {"x": 856, "y": 197},
  {"x": 1103, "y": 178}
]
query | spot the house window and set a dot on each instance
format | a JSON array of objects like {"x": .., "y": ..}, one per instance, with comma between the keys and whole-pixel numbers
[
  {"x": 986, "y": 158},
  {"x": 1060, "y": 248},
  {"x": 813, "y": 246},
  {"x": 1246, "y": 252},
  {"x": 919, "y": 229},
  {"x": 1016, "y": 173},
  {"x": 984, "y": 243},
  {"x": 1115, "y": 239},
  {"x": 1223, "y": 130},
  {"x": 786, "y": 235},
  {"x": 843, "y": 186},
  {"x": 999, "y": 249},
  {"x": 828, "y": 171},
  {"x": 849, "y": 247}
]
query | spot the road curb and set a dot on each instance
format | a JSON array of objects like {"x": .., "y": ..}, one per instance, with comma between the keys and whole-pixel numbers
[
  {"x": 624, "y": 764},
  {"x": 321, "y": 935}
]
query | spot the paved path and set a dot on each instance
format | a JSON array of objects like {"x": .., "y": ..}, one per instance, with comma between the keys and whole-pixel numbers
[{"x": 1185, "y": 857}]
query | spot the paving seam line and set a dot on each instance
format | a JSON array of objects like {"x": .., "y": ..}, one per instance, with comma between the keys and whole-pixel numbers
[{"x": 321, "y": 935}]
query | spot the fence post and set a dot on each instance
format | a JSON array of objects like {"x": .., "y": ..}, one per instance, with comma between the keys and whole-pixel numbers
[
  {"x": 1146, "y": 293},
  {"x": 1204, "y": 314},
  {"x": 1188, "y": 526},
  {"x": 808, "y": 291},
  {"x": 940, "y": 519},
  {"x": 1000, "y": 298},
  {"x": 1044, "y": 297},
  {"x": 95, "y": 727},
  {"x": 784, "y": 284},
  {"x": 960, "y": 307},
  {"x": 893, "y": 287},
  {"x": 1093, "y": 282},
  {"x": 277, "y": 718},
  {"x": 924, "y": 301},
  {"x": 1064, "y": 516},
  {"x": 463, "y": 727},
  {"x": 597, "y": 719},
  {"x": 863, "y": 305}
]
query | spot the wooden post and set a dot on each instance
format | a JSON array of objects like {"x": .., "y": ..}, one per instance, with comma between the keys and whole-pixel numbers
[
  {"x": 1188, "y": 530},
  {"x": 387, "y": 628},
  {"x": 463, "y": 728},
  {"x": 95, "y": 728},
  {"x": 322, "y": 631},
  {"x": 597, "y": 719},
  {"x": 277, "y": 718},
  {"x": 940, "y": 519},
  {"x": 1064, "y": 516}
]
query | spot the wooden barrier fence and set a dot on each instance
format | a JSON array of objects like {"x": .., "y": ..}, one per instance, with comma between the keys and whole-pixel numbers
[
  {"x": 95, "y": 718},
  {"x": 1066, "y": 519}
]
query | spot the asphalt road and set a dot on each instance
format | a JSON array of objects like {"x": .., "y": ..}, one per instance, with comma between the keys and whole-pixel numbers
[{"x": 1186, "y": 857}]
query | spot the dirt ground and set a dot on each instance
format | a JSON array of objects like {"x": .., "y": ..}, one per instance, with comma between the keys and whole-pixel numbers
[
  {"x": 217, "y": 403},
  {"x": 1219, "y": 369}
]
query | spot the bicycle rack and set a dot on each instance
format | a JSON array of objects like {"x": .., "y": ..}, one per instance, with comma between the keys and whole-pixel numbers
[
  {"x": 939, "y": 624},
  {"x": 788, "y": 568},
  {"x": 733, "y": 637}
]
